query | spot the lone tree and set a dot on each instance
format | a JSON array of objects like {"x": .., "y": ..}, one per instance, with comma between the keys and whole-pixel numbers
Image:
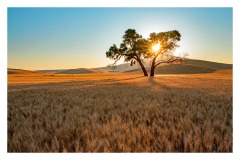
[
  {"x": 131, "y": 49},
  {"x": 159, "y": 47},
  {"x": 163, "y": 45}
]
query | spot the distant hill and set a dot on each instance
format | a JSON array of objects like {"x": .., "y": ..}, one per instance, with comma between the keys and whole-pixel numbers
[
  {"x": 82, "y": 71},
  {"x": 123, "y": 67},
  {"x": 51, "y": 71},
  {"x": 76, "y": 71},
  {"x": 182, "y": 69},
  {"x": 190, "y": 66},
  {"x": 21, "y": 71},
  {"x": 214, "y": 65}
]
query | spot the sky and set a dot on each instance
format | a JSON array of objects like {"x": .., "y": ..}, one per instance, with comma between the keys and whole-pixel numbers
[{"x": 67, "y": 38}]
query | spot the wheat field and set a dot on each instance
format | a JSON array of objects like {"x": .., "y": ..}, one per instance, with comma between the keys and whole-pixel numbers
[{"x": 120, "y": 112}]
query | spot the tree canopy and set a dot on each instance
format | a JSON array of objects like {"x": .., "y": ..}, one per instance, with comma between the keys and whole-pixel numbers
[
  {"x": 134, "y": 49},
  {"x": 168, "y": 43},
  {"x": 130, "y": 49}
]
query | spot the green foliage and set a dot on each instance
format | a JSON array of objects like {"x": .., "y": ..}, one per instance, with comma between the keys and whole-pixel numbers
[
  {"x": 132, "y": 63},
  {"x": 129, "y": 48},
  {"x": 130, "y": 37}
]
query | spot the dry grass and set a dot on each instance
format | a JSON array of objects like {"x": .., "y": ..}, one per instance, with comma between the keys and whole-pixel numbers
[{"x": 120, "y": 113}]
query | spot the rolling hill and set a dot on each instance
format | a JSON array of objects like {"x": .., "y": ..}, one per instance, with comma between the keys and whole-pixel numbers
[
  {"x": 208, "y": 64},
  {"x": 76, "y": 71},
  {"x": 82, "y": 71},
  {"x": 51, "y": 71},
  {"x": 21, "y": 71},
  {"x": 190, "y": 66}
]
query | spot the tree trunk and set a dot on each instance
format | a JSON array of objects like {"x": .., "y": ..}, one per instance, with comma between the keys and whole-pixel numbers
[
  {"x": 152, "y": 71},
  {"x": 153, "y": 67},
  {"x": 143, "y": 68}
]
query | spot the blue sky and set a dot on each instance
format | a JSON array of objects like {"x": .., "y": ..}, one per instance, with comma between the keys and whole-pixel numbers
[{"x": 58, "y": 38}]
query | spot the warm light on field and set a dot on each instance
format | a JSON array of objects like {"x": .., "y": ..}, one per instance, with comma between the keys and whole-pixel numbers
[
  {"x": 119, "y": 112},
  {"x": 156, "y": 47}
]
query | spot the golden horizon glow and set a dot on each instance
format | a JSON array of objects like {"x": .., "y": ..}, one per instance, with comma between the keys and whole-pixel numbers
[
  {"x": 33, "y": 45},
  {"x": 156, "y": 47}
]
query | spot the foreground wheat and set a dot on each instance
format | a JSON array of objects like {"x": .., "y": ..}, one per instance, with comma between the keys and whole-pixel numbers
[{"x": 161, "y": 114}]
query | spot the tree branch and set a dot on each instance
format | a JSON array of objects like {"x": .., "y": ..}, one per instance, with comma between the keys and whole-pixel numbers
[{"x": 168, "y": 61}]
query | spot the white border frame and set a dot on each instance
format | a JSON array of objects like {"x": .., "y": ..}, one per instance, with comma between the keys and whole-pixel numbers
[{"x": 4, "y": 4}]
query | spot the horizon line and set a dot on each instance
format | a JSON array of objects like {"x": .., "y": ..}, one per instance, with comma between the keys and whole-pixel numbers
[{"x": 106, "y": 66}]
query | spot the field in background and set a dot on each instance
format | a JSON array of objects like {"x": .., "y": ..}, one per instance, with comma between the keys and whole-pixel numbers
[{"x": 120, "y": 112}]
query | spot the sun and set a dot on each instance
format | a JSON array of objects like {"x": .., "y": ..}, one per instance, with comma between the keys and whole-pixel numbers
[{"x": 156, "y": 47}]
